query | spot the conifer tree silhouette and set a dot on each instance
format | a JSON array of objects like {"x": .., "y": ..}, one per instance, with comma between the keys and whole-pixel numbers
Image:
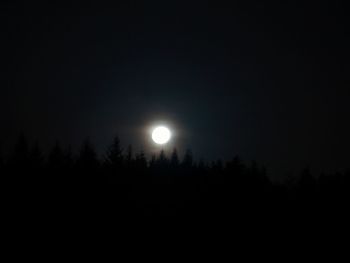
[
  {"x": 254, "y": 169},
  {"x": 129, "y": 156},
  {"x": 188, "y": 159},
  {"x": 158, "y": 185},
  {"x": 68, "y": 158},
  {"x": 201, "y": 165},
  {"x": 162, "y": 160},
  {"x": 235, "y": 166},
  {"x": 2, "y": 161},
  {"x": 36, "y": 158},
  {"x": 20, "y": 156},
  {"x": 264, "y": 179},
  {"x": 140, "y": 161},
  {"x": 306, "y": 179},
  {"x": 161, "y": 163},
  {"x": 153, "y": 162},
  {"x": 174, "y": 159},
  {"x": 114, "y": 156},
  {"x": 56, "y": 159},
  {"x": 217, "y": 166},
  {"x": 306, "y": 184},
  {"x": 87, "y": 160}
]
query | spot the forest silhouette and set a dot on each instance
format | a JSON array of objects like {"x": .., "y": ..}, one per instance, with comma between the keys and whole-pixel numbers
[{"x": 126, "y": 183}]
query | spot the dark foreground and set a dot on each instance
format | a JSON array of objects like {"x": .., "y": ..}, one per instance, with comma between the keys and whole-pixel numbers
[
  {"x": 126, "y": 185},
  {"x": 203, "y": 196}
]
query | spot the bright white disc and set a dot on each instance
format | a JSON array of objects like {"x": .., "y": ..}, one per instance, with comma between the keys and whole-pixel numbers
[{"x": 161, "y": 135}]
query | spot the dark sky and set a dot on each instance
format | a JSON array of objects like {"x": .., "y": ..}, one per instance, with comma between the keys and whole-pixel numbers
[{"x": 268, "y": 81}]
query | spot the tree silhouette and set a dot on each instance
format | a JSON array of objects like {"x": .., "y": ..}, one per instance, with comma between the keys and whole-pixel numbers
[
  {"x": 20, "y": 156},
  {"x": 306, "y": 184},
  {"x": 188, "y": 159},
  {"x": 56, "y": 160},
  {"x": 162, "y": 161},
  {"x": 236, "y": 165},
  {"x": 87, "y": 159},
  {"x": 217, "y": 166},
  {"x": 140, "y": 161},
  {"x": 2, "y": 163},
  {"x": 235, "y": 170},
  {"x": 306, "y": 179},
  {"x": 201, "y": 165},
  {"x": 36, "y": 158},
  {"x": 1, "y": 158},
  {"x": 158, "y": 187},
  {"x": 114, "y": 156},
  {"x": 129, "y": 156},
  {"x": 174, "y": 159},
  {"x": 153, "y": 162},
  {"x": 68, "y": 157}
]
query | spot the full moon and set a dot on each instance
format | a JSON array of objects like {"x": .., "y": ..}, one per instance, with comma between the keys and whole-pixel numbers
[{"x": 161, "y": 135}]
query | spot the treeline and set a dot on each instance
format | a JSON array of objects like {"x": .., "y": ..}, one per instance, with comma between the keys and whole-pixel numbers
[{"x": 162, "y": 184}]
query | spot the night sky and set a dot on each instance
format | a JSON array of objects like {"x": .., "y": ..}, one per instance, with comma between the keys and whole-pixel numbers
[{"x": 267, "y": 81}]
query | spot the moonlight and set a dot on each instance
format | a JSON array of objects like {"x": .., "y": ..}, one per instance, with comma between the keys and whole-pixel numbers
[{"x": 161, "y": 135}]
